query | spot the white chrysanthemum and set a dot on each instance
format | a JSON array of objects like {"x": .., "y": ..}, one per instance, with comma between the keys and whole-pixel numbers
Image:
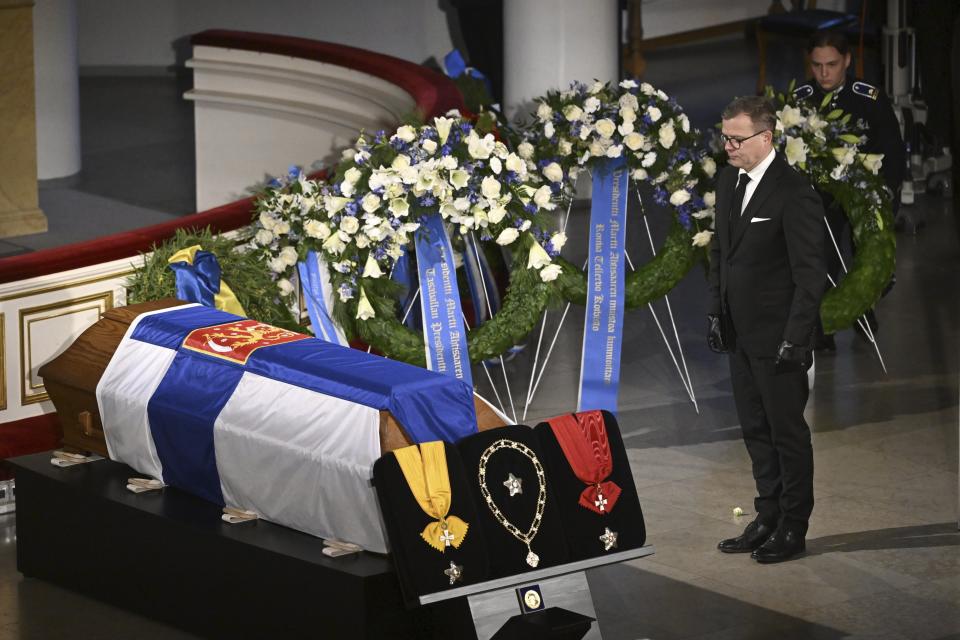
[
  {"x": 648, "y": 159},
  {"x": 525, "y": 149},
  {"x": 544, "y": 112},
  {"x": 286, "y": 288},
  {"x": 591, "y": 104},
  {"x": 289, "y": 256},
  {"x": 277, "y": 265},
  {"x": 264, "y": 237}
]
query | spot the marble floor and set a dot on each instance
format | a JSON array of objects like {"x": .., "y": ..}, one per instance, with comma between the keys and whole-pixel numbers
[{"x": 883, "y": 556}]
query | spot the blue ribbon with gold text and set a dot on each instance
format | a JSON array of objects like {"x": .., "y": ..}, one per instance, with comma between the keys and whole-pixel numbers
[
  {"x": 606, "y": 275},
  {"x": 315, "y": 287}
]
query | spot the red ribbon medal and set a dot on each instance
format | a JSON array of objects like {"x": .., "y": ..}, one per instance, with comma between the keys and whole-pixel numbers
[{"x": 583, "y": 438}]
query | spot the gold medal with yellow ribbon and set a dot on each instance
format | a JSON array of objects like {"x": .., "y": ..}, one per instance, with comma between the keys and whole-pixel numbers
[{"x": 424, "y": 467}]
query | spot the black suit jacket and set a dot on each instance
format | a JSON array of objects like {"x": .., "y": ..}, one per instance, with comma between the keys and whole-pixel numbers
[{"x": 767, "y": 266}]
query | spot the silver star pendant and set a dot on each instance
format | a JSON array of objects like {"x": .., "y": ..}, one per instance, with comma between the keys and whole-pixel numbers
[
  {"x": 513, "y": 484},
  {"x": 609, "y": 539},
  {"x": 455, "y": 572}
]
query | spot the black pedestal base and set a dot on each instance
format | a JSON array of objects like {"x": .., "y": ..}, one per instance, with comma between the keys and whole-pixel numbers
[{"x": 168, "y": 556}]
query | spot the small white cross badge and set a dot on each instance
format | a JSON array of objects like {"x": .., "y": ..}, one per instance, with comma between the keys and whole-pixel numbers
[
  {"x": 513, "y": 484},
  {"x": 601, "y": 502},
  {"x": 446, "y": 537}
]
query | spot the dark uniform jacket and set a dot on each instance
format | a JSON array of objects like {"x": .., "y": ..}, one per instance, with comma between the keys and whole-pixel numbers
[
  {"x": 870, "y": 104},
  {"x": 767, "y": 266}
]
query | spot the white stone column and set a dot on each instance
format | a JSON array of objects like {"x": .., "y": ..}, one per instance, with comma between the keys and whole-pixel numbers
[
  {"x": 550, "y": 43},
  {"x": 58, "y": 88}
]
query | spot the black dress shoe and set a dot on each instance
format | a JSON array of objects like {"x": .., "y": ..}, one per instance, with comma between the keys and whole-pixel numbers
[
  {"x": 784, "y": 544},
  {"x": 752, "y": 537}
]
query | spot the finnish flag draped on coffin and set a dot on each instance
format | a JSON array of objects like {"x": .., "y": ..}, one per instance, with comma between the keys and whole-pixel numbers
[{"x": 251, "y": 416}]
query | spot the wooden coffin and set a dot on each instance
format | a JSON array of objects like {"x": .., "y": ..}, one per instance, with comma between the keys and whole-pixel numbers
[{"x": 71, "y": 380}]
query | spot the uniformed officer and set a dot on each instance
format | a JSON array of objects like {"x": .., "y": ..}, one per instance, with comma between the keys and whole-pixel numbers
[{"x": 829, "y": 54}]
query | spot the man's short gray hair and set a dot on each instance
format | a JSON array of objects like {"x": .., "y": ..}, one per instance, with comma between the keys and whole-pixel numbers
[{"x": 759, "y": 109}]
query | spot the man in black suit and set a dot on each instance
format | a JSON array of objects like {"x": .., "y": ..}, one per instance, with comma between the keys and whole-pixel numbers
[{"x": 767, "y": 275}]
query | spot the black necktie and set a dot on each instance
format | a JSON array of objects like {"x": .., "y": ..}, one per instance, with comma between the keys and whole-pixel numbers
[{"x": 738, "y": 197}]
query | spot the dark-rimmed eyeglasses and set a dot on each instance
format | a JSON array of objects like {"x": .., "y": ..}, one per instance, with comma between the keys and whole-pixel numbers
[{"x": 736, "y": 143}]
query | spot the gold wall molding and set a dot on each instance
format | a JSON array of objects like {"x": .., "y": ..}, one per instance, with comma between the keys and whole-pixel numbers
[
  {"x": 103, "y": 302},
  {"x": 68, "y": 285}
]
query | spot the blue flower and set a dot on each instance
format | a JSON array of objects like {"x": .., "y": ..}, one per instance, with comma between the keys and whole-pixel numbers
[
  {"x": 427, "y": 201},
  {"x": 685, "y": 221}
]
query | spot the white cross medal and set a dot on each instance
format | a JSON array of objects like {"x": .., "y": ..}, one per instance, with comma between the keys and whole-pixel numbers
[
  {"x": 446, "y": 537},
  {"x": 601, "y": 502}
]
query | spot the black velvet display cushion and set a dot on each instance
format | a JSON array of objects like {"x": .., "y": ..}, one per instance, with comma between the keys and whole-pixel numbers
[
  {"x": 421, "y": 567},
  {"x": 583, "y": 527},
  {"x": 507, "y": 553}
]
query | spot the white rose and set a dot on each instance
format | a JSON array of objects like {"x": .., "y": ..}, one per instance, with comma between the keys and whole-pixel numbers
[
  {"x": 371, "y": 202},
  {"x": 347, "y": 188},
  {"x": 702, "y": 238},
  {"x": 541, "y": 197},
  {"x": 496, "y": 214},
  {"x": 605, "y": 127},
  {"x": 625, "y": 128},
  {"x": 615, "y": 151},
  {"x": 515, "y": 164},
  {"x": 667, "y": 136},
  {"x": 654, "y": 113},
  {"x": 362, "y": 240},
  {"x": 282, "y": 227},
  {"x": 679, "y": 197},
  {"x": 352, "y": 175},
  {"x": 686, "y": 168},
  {"x": 553, "y": 172},
  {"x": 525, "y": 149},
  {"x": 544, "y": 112},
  {"x": 710, "y": 198},
  {"x": 267, "y": 220},
  {"x": 371, "y": 269},
  {"x": 628, "y": 84},
  {"x": 597, "y": 149},
  {"x": 572, "y": 112},
  {"x": 289, "y": 256},
  {"x": 591, "y": 104},
  {"x": 429, "y": 146},
  {"x": 495, "y": 165},
  {"x": 490, "y": 188},
  {"x": 628, "y": 101},
  {"x": 558, "y": 240},
  {"x": 277, "y": 265},
  {"x": 264, "y": 237},
  {"x": 662, "y": 95},
  {"x": 709, "y": 166},
  {"x": 349, "y": 224},
  {"x": 633, "y": 141},
  {"x": 550, "y": 272},
  {"x": 443, "y": 128},
  {"x": 406, "y": 133},
  {"x": 548, "y": 130},
  {"x": 286, "y": 288},
  {"x": 639, "y": 174},
  {"x": 685, "y": 123},
  {"x": 507, "y": 236},
  {"x": 585, "y": 131},
  {"x": 316, "y": 229},
  {"x": 795, "y": 150},
  {"x": 565, "y": 147},
  {"x": 596, "y": 87},
  {"x": 538, "y": 257},
  {"x": 648, "y": 159}
]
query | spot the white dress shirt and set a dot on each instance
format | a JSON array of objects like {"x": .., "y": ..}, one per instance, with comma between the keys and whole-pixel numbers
[{"x": 755, "y": 175}]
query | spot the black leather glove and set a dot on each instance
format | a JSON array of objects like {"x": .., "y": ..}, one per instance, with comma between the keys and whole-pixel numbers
[
  {"x": 792, "y": 357},
  {"x": 715, "y": 334}
]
